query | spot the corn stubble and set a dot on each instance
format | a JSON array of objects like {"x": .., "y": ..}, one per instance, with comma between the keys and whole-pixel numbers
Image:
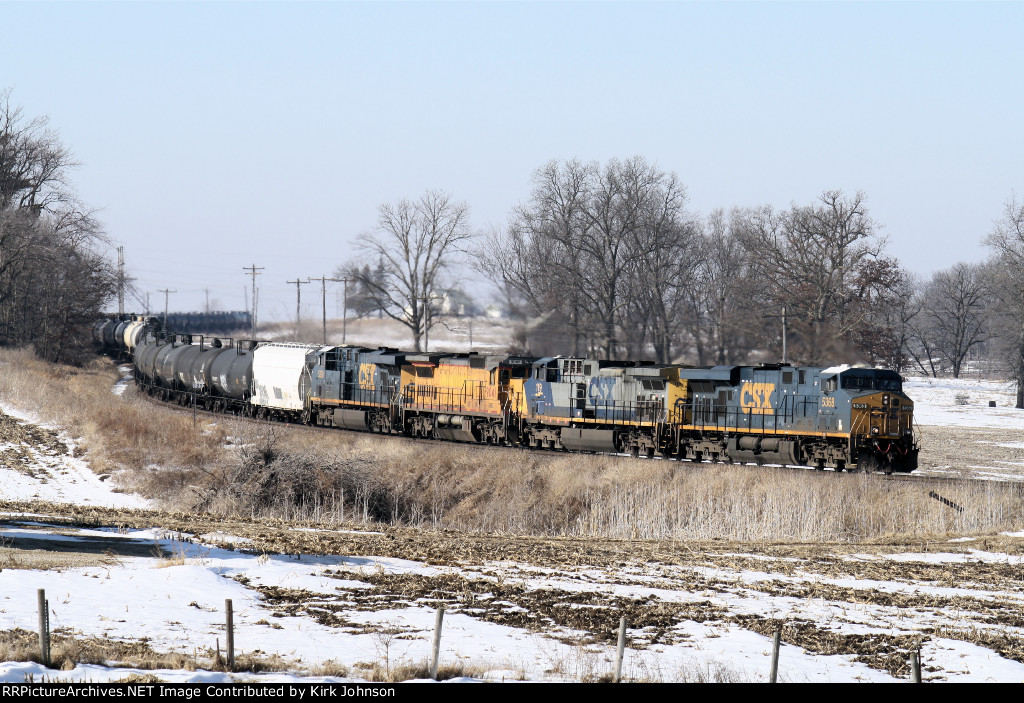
[{"x": 235, "y": 467}]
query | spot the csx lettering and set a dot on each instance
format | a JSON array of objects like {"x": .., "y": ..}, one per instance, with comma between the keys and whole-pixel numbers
[{"x": 756, "y": 398}]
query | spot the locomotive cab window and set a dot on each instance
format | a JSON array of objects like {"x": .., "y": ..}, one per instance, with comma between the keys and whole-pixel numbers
[
  {"x": 829, "y": 384},
  {"x": 868, "y": 383}
]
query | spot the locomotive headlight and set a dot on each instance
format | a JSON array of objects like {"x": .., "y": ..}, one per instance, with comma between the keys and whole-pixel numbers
[
  {"x": 874, "y": 430},
  {"x": 885, "y": 399}
]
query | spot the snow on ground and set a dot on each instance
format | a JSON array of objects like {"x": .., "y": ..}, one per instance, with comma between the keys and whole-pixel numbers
[
  {"x": 176, "y": 601},
  {"x": 936, "y": 403},
  {"x": 178, "y": 604},
  {"x": 180, "y": 608},
  {"x": 961, "y": 435},
  {"x": 55, "y": 477}
]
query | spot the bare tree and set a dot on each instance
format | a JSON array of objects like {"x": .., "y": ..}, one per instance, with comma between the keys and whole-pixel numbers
[
  {"x": 668, "y": 251},
  {"x": 34, "y": 164},
  {"x": 955, "y": 308},
  {"x": 604, "y": 247},
  {"x": 415, "y": 241},
  {"x": 719, "y": 299},
  {"x": 814, "y": 261},
  {"x": 53, "y": 278},
  {"x": 1007, "y": 239}
]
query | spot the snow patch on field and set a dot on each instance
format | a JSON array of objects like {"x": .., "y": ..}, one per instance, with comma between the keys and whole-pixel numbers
[
  {"x": 33, "y": 472},
  {"x": 936, "y": 402}
]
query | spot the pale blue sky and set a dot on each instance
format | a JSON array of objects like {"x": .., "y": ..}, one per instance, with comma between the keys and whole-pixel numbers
[{"x": 214, "y": 136}]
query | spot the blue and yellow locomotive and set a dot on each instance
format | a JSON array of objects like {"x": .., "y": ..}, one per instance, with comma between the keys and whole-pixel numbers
[{"x": 840, "y": 417}]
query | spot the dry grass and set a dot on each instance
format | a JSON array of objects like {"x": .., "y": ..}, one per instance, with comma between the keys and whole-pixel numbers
[
  {"x": 120, "y": 434},
  {"x": 345, "y": 478},
  {"x": 68, "y": 650},
  {"x": 243, "y": 469},
  {"x": 382, "y": 672}
]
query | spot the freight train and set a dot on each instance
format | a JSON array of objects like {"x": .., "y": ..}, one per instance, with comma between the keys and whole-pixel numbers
[{"x": 843, "y": 418}]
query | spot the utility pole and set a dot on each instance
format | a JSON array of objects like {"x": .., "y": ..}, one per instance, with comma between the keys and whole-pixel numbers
[
  {"x": 344, "y": 310},
  {"x": 207, "y": 310},
  {"x": 167, "y": 294},
  {"x": 120, "y": 281},
  {"x": 254, "y": 272},
  {"x": 784, "y": 359},
  {"x": 323, "y": 291},
  {"x": 298, "y": 302}
]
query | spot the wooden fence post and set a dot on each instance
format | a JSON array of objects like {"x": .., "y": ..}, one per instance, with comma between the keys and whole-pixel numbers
[
  {"x": 621, "y": 649},
  {"x": 44, "y": 628},
  {"x": 438, "y": 619},
  {"x": 776, "y": 639},
  {"x": 915, "y": 667},
  {"x": 230, "y": 635}
]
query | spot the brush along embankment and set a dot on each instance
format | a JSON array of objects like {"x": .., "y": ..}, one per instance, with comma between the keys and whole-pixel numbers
[{"x": 234, "y": 467}]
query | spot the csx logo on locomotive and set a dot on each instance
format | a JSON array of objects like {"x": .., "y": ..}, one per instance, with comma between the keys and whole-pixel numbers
[
  {"x": 601, "y": 390},
  {"x": 757, "y": 397}
]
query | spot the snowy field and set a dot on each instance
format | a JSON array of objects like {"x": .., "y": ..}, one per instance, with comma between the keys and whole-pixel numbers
[
  {"x": 961, "y": 434},
  {"x": 696, "y": 613},
  {"x": 964, "y": 402}
]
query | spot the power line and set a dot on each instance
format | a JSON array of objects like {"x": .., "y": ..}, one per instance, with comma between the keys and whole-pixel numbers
[
  {"x": 298, "y": 301},
  {"x": 323, "y": 290},
  {"x": 167, "y": 294},
  {"x": 254, "y": 272}
]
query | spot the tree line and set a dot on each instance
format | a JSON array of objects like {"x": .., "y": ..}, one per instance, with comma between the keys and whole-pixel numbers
[
  {"x": 55, "y": 276},
  {"x": 612, "y": 258}
]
